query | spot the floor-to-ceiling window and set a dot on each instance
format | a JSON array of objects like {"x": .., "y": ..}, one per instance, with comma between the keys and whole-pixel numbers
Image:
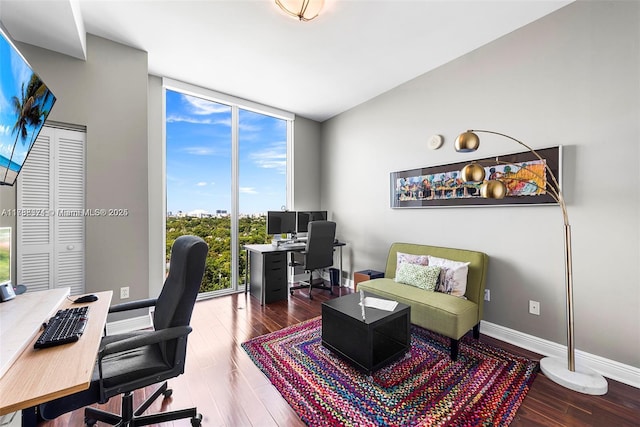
[{"x": 226, "y": 166}]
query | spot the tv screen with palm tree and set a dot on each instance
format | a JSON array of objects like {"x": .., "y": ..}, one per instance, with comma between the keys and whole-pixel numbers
[{"x": 25, "y": 103}]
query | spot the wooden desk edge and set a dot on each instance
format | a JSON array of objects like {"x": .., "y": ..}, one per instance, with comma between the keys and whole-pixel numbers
[
  {"x": 60, "y": 295},
  {"x": 24, "y": 366},
  {"x": 18, "y": 406}
]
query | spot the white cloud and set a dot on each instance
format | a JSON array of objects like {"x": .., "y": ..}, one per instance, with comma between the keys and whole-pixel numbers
[
  {"x": 248, "y": 190},
  {"x": 174, "y": 118},
  {"x": 5, "y": 130},
  {"x": 224, "y": 122},
  {"x": 187, "y": 119},
  {"x": 200, "y": 151},
  {"x": 201, "y": 184},
  {"x": 205, "y": 107},
  {"x": 274, "y": 157},
  {"x": 249, "y": 127}
]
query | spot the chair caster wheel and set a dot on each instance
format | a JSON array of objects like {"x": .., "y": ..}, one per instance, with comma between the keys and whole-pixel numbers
[
  {"x": 291, "y": 292},
  {"x": 90, "y": 422},
  {"x": 167, "y": 393},
  {"x": 197, "y": 420}
]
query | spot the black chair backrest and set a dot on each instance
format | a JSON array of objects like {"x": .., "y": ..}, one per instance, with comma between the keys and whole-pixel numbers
[
  {"x": 319, "y": 249},
  {"x": 178, "y": 296}
]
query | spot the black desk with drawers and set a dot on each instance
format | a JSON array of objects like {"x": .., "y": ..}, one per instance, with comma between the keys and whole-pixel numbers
[{"x": 267, "y": 266}]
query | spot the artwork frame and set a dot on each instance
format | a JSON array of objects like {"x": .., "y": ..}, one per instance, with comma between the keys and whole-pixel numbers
[{"x": 524, "y": 174}]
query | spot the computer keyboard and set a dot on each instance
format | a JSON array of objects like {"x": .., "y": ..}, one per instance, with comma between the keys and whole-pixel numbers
[
  {"x": 295, "y": 245},
  {"x": 65, "y": 327}
]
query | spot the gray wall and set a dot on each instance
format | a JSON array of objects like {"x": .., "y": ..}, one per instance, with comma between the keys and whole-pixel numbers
[
  {"x": 570, "y": 78},
  {"x": 307, "y": 164},
  {"x": 108, "y": 94}
]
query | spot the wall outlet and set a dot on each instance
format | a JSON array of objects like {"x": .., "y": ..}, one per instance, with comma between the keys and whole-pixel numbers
[
  {"x": 124, "y": 292},
  {"x": 487, "y": 295},
  {"x": 534, "y": 307}
]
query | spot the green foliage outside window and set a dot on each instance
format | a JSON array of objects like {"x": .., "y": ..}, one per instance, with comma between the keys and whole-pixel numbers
[{"x": 216, "y": 232}]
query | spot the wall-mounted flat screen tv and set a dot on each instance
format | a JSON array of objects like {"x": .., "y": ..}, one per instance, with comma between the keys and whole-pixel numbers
[{"x": 25, "y": 103}]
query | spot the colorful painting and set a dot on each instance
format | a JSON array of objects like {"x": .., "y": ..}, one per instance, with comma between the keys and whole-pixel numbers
[{"x": 524, "y": 175}]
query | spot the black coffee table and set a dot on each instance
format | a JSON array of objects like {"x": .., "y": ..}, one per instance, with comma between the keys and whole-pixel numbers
[{"x": 369, "y": 343}]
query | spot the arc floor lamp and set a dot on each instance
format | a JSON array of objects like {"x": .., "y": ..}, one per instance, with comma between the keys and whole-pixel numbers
[{"x": 581, "y": 379}]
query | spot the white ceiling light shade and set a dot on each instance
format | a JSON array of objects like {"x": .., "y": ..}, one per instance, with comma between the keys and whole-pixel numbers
[{"x": 304, "y": 10}]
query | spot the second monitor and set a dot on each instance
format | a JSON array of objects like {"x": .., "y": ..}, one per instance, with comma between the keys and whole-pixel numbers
[{"x": 304, "y": 217}]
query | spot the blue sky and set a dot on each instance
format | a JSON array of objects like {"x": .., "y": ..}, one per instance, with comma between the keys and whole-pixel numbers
[{"x": 199, "y": 157}]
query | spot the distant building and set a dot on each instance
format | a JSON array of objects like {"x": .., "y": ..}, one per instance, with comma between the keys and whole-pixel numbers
[{"x": 201, "y": 213}]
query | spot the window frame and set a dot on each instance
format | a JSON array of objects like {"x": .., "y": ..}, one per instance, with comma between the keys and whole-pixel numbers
[{"x": 236, "y": 104}]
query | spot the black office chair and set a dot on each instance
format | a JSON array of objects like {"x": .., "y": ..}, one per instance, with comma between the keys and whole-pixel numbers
[
  {"x": 318, "y": 253},
  {"x": 131, "y": 361}
]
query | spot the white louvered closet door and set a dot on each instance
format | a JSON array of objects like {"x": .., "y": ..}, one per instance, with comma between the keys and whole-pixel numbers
[{"x": 51, "y": 189}]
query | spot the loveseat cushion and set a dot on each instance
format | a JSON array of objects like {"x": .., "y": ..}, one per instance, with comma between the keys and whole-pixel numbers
[{"x": 438, "y": 312}]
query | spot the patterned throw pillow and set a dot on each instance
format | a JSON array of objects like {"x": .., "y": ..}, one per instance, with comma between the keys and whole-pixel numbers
[
  {"x": 411, "y": 259},
  {"x": 420, "y": 276},
  {"x": 453, "y": 275}
]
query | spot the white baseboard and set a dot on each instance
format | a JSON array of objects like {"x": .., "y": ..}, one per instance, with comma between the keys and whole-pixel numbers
[{"x": 609, "y": 368}]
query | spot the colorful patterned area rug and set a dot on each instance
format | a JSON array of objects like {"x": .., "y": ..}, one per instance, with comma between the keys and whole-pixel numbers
[{"x": 484, "y": 387}]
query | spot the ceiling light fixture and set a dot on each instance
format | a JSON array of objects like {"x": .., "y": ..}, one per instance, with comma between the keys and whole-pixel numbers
[{"x": 304, "y": 10}]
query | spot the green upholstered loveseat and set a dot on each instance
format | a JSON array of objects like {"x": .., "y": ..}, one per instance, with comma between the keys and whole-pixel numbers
[{"x": 439, "y": 312}]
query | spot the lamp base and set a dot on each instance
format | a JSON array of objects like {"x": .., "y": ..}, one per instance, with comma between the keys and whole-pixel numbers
[{"x": 582, "y": 380}]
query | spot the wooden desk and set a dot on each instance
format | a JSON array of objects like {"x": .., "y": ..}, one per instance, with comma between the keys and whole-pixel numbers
[
  {"x": 38, "y": 376},
  {"x": 21, "y": 319},
  {"x": 268, "y": 267}
]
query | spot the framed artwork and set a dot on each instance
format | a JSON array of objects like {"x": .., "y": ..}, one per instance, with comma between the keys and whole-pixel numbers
[{"x": 524, "y": 175}]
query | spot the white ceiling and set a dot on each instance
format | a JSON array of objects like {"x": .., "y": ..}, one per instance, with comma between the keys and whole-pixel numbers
[{"x": 354, "y": 51}]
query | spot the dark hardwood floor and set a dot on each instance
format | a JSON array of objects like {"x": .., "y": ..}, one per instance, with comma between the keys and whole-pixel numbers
[{"x": 229, "y": 390}]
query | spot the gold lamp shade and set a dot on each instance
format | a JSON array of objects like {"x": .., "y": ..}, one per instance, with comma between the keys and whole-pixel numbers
[
  {"x": 467, "y": 142},
  {"x": 493, "y": 189},
  {"x": 304, "y": 10},
  {"x": 472, "y": 172}
]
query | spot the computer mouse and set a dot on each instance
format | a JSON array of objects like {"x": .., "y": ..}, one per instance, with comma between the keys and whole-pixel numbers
[{"x": 86, "y": 298}]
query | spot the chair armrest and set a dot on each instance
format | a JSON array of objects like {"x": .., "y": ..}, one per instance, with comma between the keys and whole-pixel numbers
[
  {"x": 133, "y": 305},
  {"x": 153, "y": 337}
]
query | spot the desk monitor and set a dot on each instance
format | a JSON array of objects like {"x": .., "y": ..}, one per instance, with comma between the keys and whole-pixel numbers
[
  {"x": 304, "y": 217},
  {"x": 281, "y": 222}
]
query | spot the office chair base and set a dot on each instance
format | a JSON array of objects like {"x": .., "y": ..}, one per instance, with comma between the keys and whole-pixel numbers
[
  {"x": 305, "y": 285},
  {"x": 132, "y": 418}
]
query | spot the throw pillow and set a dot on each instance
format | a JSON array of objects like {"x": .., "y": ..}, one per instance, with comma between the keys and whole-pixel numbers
[
  {"x": 420, "y": 276},
  {"x": 411, "y": 259},
  {"x": 453, "y": 275}
]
